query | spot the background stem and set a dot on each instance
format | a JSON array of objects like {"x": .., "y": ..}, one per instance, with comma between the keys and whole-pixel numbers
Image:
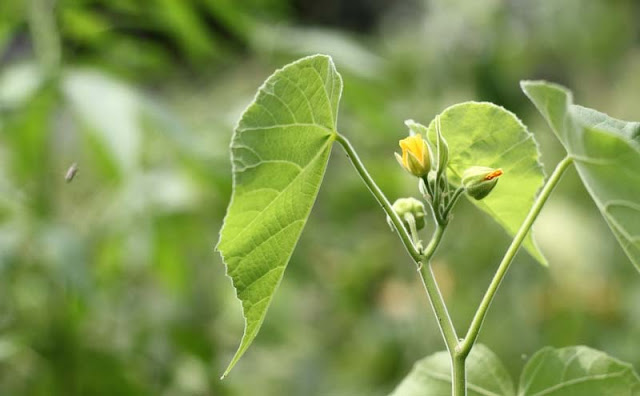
[{"x": 44, "y": 34}]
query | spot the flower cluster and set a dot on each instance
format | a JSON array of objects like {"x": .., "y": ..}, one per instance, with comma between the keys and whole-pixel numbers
[{"x": 419, "y": 160}]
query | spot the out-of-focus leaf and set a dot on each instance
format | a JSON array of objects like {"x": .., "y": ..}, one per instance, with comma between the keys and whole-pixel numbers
[
  {"x": 348, "y": 53},
  {"x": 279, "y": 151},
  {"x": 486, "y": 375},
  {"x": 483, "y": 134},
  {"x": 85, "y": 26},
  {"x": 232, "y": 15},
  {"x": 606, "y": 152},
  {"x": 109, "y": 108},
  {"x": 577, "y": 370},
  {"x": 28, "y": 132},
  {"x": 183, "y": 22},
  {"x": 18, "y": 83},
  {"x": 12, "y": 14}
]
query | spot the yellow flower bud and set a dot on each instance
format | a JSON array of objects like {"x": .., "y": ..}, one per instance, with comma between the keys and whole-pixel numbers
[
  {"x": 415, "y": 155},
  {"x": 478, "y": 181}
]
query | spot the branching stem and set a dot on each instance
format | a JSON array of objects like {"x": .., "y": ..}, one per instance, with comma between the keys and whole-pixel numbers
[
  {"x": 458, "y": 349},
  {"x": 421, "y": 259}
]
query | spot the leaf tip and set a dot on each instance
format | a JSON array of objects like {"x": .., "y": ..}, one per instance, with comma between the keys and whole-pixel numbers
[{"x": 526, "y": 86}]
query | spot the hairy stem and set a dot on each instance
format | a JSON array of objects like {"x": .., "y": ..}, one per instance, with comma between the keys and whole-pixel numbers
[{"x": 476, "y": 323}]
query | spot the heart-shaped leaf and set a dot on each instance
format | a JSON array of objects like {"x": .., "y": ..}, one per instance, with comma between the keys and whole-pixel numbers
[
  {"x": 577, "y": 370},
  {"x": 606, "y": 152},
  {"x": 484, "y": 134},
  {"x": 431, "y": 376},
  {"x": 279, "y": 152}
]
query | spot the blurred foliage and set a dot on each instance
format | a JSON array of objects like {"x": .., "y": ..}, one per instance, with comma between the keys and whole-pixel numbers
[{"x": 110, "y": 285}]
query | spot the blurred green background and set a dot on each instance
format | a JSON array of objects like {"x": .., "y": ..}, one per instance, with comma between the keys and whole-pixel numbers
[{"x": 109, "y": 285}]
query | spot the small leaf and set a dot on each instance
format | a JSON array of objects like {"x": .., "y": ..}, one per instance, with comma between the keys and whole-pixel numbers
[
  {"x": 484, "y": 134},
  {"x": 578, "y": 371},
  {"x": 279, "y": 152},
  {"x": 606, "y": 152},
  {"x": 431, "y": 376}
]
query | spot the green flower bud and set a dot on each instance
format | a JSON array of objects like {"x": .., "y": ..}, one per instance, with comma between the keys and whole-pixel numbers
[
  {"x": 478, "y": 181},
  {"x": 410, "y": 207},
  {"x": 442, "y": 148}
]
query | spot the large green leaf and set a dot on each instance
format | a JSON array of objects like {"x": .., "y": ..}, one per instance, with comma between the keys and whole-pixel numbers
[
  {"x": 570, "y": 371},
  {"x": 483, "y": 134},
  {"x": 279, "y": 152},
  {"x": 606, "y": 152},
  {"x": 578, "y": 371},
  {"x": 486, "y": 375}
]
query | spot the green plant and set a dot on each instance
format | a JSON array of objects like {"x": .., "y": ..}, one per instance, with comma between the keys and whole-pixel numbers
[{"x": 280, "y": 151}]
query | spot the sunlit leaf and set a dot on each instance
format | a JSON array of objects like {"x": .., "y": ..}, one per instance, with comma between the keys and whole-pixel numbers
[
  {"x": 483, "y": 134},
  {"x": 486, "y": 375},
  {"x": 279, "y": 151},
  {"x": 578, "y": 371},
  {"x": 606, "y": 152}
]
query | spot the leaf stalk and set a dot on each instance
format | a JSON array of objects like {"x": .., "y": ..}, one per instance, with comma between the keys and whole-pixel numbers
[{"x": 476, "y": 323}]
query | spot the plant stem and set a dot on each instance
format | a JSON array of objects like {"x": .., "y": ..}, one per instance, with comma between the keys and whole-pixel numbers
[
  {"x": 44, "y": 34},
  {"x": 433, "y": 244},
  {"x": 426, "y": 274},
  {"x": 411, "y": 221},
  {"x": 453, "y": 201},
  {"x": 459, "y": 375},
  {"x": 476, "y": 323},
  {"x": 445, "y": 324},
  {"x": 380, "y": 197}
]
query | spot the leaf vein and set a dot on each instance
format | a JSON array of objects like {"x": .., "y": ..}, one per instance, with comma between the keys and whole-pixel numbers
[
  {"x": 276, "y": 198},
  {"x": 580, "y": 380},
  {"x": 304, "y": 95}
]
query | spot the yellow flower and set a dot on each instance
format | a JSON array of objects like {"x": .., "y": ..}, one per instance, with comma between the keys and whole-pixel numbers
[{"x": 415, "y": 155}]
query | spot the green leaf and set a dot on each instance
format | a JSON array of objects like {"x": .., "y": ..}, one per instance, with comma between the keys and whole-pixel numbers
[
  {"x": 279, "y": 152},
  {"x": 578, "y": 371},
  {"x": 484, "y": 134},
  {"x": 486, "y": 375},
  {"x": 606, "y": 152}
]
